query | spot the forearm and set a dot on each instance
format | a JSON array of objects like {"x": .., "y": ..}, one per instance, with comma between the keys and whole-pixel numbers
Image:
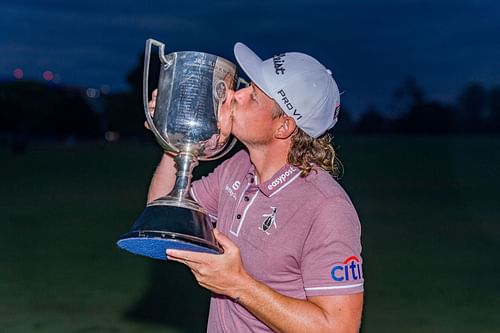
[
  {"x": 163, "y": 180},
  {"x": 288, "y": 315}
]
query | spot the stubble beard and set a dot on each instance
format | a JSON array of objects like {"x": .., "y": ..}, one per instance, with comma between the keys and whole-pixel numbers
[{"x": 249, "y": 142}]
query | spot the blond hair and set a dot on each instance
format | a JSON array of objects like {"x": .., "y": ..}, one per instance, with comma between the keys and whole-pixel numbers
[{"x": 307, "y": 153}]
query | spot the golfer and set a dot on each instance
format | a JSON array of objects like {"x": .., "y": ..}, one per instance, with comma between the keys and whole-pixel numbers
[{"x": 291, "y": 236}]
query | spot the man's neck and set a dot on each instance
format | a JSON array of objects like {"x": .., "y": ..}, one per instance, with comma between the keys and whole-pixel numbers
[{"x": 268, "y": 160}]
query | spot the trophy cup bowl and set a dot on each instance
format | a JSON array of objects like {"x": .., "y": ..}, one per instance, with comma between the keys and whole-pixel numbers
[{"x": 191, "y": 88}]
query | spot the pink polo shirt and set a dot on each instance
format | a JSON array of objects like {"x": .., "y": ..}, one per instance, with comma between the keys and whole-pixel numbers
[{"x": 298, "y": 235}]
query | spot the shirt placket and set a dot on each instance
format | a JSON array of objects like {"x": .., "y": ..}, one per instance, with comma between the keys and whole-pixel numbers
[{"x": 245, "y": 201}]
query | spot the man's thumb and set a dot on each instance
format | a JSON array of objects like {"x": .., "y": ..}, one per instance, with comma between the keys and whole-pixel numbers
[{"x": 223, "y": 240}]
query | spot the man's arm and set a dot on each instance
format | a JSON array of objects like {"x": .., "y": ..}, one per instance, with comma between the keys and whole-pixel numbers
[
  {"x": 163, "y": 180},
  {"x": 337, "y": 313},
  {"x": 224, "y": 274}
]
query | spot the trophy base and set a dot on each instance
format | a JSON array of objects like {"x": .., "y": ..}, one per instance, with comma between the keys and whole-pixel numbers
[
  {"x": 166, "y": 224},
  {"x": 156, "y": 246}
]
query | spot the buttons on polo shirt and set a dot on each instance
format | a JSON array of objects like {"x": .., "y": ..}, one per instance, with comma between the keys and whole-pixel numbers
[{"x": 243, "y": 204}]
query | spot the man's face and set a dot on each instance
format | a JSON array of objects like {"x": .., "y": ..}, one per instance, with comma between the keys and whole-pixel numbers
[{"x": 253, "y": 121}]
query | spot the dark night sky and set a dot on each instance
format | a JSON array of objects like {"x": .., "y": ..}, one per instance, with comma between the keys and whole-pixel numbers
[{"x": 370, "y": 45}]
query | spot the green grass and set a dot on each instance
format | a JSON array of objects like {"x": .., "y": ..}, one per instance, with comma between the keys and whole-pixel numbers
[{"x": 431, "y": 230}]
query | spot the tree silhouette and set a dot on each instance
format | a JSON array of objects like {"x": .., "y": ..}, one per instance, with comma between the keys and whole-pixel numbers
[
  {"x": 494, "y": 106},
  {"x": 473, "y": 107},
  {"x": 372, "y": 121},
  {"x": 408, "y": 96},
  {"x": 125, "y": 110},
  {"x": 30, "y": 110}
]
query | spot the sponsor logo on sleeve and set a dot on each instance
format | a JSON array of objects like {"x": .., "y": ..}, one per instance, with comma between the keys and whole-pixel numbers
[{"x": 349, "y": 270}]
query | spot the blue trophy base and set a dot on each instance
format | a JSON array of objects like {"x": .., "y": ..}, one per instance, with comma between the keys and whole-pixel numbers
[
  {"x": 156, "y": 247},
  {"x": 162, "y": 226}
]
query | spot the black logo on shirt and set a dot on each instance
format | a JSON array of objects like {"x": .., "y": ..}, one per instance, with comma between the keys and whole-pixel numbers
[
  {"x": 289, "y": 104},
  {"x": 269, "y": 221}
]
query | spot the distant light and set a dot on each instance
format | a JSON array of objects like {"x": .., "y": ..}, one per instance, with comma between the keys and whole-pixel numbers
[
  {"x": 105, "y": 89},
  {"x": 112, "y": 136},
  {"x": 48, "y": 76},
  {"x": 93, "y": 93},
  {"x": 18, "y": 73}
]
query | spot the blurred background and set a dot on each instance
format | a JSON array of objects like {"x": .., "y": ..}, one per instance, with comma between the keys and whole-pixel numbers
[{"x": 418, "y": 135}]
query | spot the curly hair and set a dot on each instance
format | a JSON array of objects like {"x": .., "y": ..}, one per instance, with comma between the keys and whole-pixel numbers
[{"x": 307, "y": 153}]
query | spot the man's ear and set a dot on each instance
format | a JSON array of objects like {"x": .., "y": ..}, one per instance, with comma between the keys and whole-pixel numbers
[{"x": 287, "y": 127}]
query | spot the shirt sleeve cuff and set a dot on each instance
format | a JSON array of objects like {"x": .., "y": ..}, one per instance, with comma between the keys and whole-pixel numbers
[{"x": 335, "y": 290}]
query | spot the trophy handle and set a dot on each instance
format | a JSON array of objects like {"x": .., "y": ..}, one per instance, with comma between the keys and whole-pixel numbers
[{"x": 145, "y": 90}]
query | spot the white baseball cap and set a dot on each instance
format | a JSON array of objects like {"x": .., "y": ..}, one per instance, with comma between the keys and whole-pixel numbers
[{"x": 301, "y": 85}]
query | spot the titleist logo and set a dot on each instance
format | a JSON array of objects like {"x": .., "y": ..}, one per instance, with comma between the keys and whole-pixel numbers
[{"x": 278, "y": 61}]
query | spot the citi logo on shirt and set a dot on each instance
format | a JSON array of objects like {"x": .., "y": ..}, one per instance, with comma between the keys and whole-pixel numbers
[{"x": 349, "y": 270}]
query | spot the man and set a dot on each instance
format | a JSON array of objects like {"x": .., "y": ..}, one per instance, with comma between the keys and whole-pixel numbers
[{"x": 290, "y": 234}]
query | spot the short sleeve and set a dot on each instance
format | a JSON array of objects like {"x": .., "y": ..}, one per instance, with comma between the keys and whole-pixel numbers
[
  {"x": 206, "y": 191},
  {"x": 331, "y": 262}
]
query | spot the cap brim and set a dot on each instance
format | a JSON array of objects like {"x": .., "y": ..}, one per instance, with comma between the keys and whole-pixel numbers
[{"x": 251, "y": 65}]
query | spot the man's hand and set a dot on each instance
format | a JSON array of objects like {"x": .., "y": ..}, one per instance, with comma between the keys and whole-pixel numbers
[
  {"x": 225, "y": 275},
  {"x": 222, "y": 274},
  {"x": 151, "y": 106}
]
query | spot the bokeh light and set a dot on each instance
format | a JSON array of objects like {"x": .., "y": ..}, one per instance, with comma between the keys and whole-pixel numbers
[
  {"x": 105, "y": 89},
  {"x": 48, "y": 75},
  {"x": 18, "y": 73},
  {"x": 112, "y": 136},
  {"x": 93, "y": 93}
]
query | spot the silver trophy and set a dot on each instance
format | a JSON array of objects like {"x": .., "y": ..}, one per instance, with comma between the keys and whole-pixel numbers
[{"x": 191, "y": 88}]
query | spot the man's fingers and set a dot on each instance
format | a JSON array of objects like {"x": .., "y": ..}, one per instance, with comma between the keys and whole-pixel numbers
[
  {"x": 151, "y": 106},
  {"x": 182, "y": 261},
  {"x": 223, "y": 240},
  {"x": 152, "y": 102},
  {"x": 188, "y": 256}
]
